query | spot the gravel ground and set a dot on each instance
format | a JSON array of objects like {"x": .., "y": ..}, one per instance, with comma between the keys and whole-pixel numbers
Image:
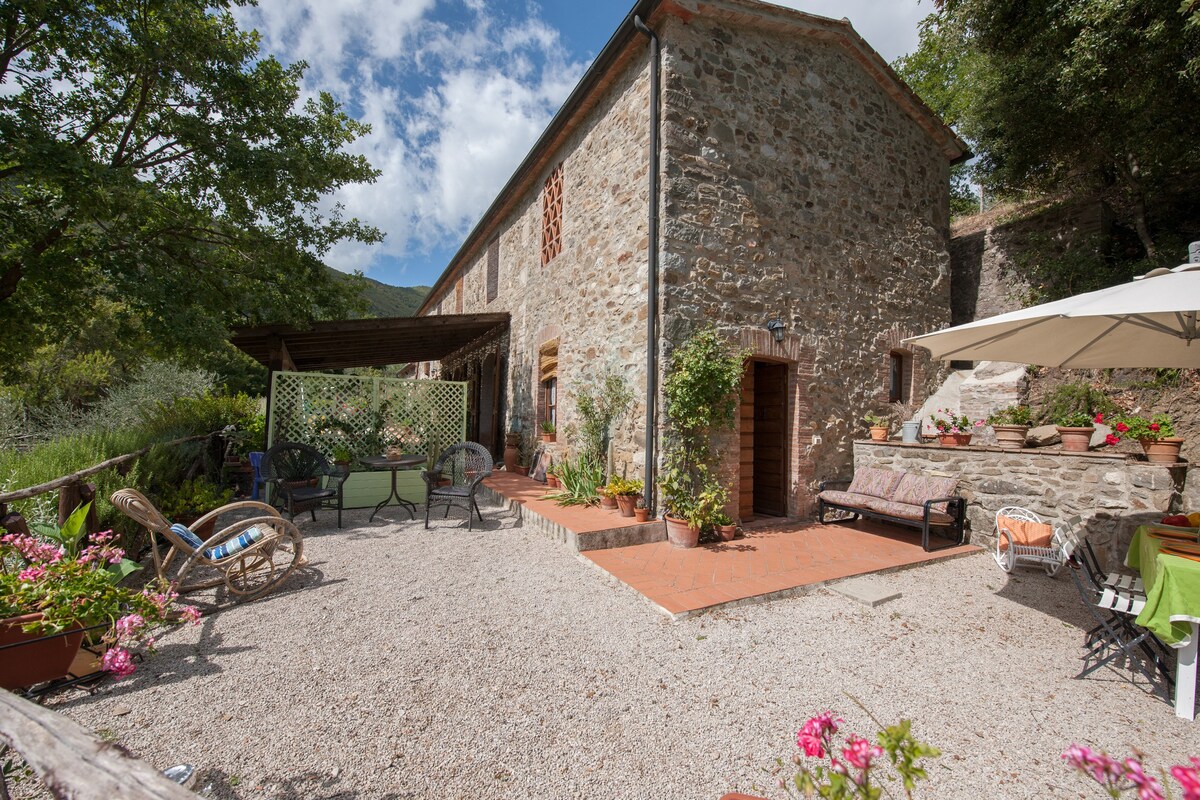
[{"x": 406, "y": 663}]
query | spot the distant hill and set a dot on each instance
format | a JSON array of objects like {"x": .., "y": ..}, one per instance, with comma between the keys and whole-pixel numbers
[
  {"x": 384, "y": 300},
  {"x": 394, "y": 301}
]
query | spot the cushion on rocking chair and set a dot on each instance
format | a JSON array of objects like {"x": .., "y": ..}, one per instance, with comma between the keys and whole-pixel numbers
[
  {"x": 184, "y": 532},
  {"x": 1035, "y": 534},
  {"x": 234, "y": 546}
]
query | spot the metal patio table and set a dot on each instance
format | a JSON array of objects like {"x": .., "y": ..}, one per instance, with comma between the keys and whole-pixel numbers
[{"x": 394, "y": 464}]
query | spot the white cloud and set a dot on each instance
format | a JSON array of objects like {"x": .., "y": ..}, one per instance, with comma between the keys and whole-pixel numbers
[
  {"x": 452, "y": 110},
  {"x": 889, "y": 26}
]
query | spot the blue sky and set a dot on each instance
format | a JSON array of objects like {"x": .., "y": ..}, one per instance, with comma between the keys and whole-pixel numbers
[{"x": 456, "y": 92}]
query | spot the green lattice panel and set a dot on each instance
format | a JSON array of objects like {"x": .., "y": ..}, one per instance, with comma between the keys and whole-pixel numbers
[{"x": 366, "y": 415}]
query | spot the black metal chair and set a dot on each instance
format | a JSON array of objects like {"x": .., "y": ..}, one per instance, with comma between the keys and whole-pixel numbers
[
  {"x": 303, "y": 480},
  {"x": 464, "y": 465}
]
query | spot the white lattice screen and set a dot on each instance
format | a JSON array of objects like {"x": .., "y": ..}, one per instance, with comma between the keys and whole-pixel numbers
[{"x": 367, "y": 415}]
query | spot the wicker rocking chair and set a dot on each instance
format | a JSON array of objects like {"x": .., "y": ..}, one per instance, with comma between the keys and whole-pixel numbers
[
  {"x": 464, "y": 465},
  {"x": 250, "y": 556}
]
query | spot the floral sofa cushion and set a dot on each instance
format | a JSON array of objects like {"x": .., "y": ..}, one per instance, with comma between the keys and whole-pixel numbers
[
  {"x": 916, "y": 489},
  {"x": 875, "y": 482},
  {"x": 906, "y": 511}
]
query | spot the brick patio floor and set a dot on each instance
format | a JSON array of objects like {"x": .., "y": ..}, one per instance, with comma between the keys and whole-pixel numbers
[{"x": 766, "y": 561}]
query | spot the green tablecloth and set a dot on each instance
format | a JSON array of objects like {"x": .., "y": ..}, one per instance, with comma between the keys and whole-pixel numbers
[{"x": 1172, "y": 589}]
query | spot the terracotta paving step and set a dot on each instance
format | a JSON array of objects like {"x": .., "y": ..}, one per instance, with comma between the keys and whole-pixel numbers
[
  {"x": 532, "y": 494},
  {"x": 766, "y": 561}
]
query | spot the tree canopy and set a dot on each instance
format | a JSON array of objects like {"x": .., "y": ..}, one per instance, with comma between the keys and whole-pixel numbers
[
  {"x": 1070, "y": 96},
  {"x": 154, "y": 163}
]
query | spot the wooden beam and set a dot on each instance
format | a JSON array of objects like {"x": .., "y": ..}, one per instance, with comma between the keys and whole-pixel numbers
[{"x": 73, "y": 763}]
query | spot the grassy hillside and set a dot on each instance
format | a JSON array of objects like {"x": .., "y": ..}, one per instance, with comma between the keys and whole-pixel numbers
[
  {"x": 384, "y": 300},
  {"x": 394, "y": 301}
]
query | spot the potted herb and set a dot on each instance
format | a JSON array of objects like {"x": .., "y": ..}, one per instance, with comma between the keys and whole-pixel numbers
[
  {"x": 953, "y": 430},
  {"x": 548, "y": 431},
  {"x": 66, "y": 583},
  {"x": 726, "y": 527},
  {"x": 342, "y": 455},
  {"x": 1011, "y": 426},
  {"x": 1156, "y": 435},
  {"x": 552, "y": 478},
  {"x": 607, "y": 501},
  {"x": 626, "y": 493},
  {"x": 1075, "y": 428},
  {"x": 879, "y": 427},
  {"x": 640, "y": 512}
]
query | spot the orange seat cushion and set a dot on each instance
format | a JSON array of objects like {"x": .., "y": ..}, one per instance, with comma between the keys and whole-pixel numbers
[{"x": 1037, "y": 534}]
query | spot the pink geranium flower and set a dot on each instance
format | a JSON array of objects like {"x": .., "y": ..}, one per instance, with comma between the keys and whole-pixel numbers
[
  {"x": 191, "y": 614},
  {"x": 128, "y": 626},
  {"x": 118, "y": 661},
  {"x": 814, "y": 737},
  {"x": 31, "y": 573},
  {"x": 1189, "y": 779},
  {"x": 859, "y": 753}
]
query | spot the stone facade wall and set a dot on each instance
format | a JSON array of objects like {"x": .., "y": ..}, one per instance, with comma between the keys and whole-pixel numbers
[
  {"x": 591, "y": 297},
  {"x": 794, "y": 187},
  {"x": 1113, "y": 493},
  {"x": 984, "y": 253}
]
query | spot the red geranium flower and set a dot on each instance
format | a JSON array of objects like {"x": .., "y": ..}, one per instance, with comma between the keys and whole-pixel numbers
[
  {"x": 1112, "y": 440},
  {"x": 1122, "y": 427},
  {"x": 1099, "y": 417},
  {"x": 1154, "y": 426}
]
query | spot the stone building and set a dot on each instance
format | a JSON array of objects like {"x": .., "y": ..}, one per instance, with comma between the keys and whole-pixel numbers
[{"x": 794, "y": 177}]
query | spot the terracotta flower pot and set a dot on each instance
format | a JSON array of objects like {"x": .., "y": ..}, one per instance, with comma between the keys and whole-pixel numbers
[
  {"x": 879, "y": 433},
  {"x": 1011, "y": 437},
  {"x": 1076, "y": 440},
  {"x": 680, "y": 534},
  {"x": 625, "y": 504},
  {"x": 642, "y": 514},
  {"x": 606, "y": 502},
  {"x": 1162, "y": 451},
  {"x": 37, "y": 662},
  {"x": 552, "y": 482},
  {"x": 954, "y": 439},
  {"x": 727, "y": 532},
  {"x": 549, "y": 437},
  {"x": 512, "y": 451},
  {"x": 521, "y": 469}
]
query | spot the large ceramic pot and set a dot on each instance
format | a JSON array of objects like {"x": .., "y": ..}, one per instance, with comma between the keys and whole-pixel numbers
[
  {"x": 1162, "y": 451},
  {"x": 626, "y": 503},
  {"x": 512, "y": 451},
  {"x": 1076, "y": 440},
  {"x": 1011, "y": 437},
  {"x": 680, "y": 534},
  {"x": 954, "y": 439},
  {"x": 42, "y": 659}
]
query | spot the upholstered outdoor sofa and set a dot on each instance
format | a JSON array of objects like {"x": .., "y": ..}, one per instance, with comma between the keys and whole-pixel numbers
[{"x": 919, "y": 501}]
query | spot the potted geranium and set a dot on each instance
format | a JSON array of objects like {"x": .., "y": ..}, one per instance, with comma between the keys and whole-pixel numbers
[
  {"x": 1156, "y": 436},
  {"x": 1011, "y": 426},
  {"x": 954, "y": 430},
  {"x": 878, "y": 426},
  {"x": 1075, "y": 428},
  {"x": 56, "y": 590},
  {"x": 626, "y": 493}
]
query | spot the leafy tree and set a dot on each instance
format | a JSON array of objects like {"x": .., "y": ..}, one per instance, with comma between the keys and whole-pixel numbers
[
  {"x": 1090, "y": 96},
  {"x": 151, "y": 157}
]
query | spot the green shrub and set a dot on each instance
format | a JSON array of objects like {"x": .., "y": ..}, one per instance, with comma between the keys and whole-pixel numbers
[
  {"x": 597, "y": 412},
  {"x": 1013, "y": 415},
  {"x": 579, "y": 479},
  {"x": 1073, "y": 401}
]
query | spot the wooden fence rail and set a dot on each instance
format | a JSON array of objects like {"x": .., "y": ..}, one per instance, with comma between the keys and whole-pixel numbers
[{"x": 73, "y": 763}]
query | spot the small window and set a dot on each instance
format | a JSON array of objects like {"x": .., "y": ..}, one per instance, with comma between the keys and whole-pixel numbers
[
  {"x": 493, "y": 269},
  {"x": 552, "y": 214},
  {"x": 898, "y": 377},
  {"x": 547, "y": 407}
]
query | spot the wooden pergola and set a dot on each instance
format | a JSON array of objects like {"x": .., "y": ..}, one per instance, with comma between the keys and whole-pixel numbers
[{"x": 340, "y": 344}]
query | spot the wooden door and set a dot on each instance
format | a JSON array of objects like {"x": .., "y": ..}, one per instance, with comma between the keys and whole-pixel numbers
[
  {"x": 746, "y": 461},
  {"x": 770, "y": 439}
]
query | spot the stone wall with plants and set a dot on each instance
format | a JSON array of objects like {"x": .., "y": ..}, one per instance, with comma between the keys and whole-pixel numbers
[
  {"x": 818, "y": 201},
  {"x": 1114, "y": 493}
]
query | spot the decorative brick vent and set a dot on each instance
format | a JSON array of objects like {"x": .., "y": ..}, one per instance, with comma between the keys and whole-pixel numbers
[{"x": 552, "y": 213}]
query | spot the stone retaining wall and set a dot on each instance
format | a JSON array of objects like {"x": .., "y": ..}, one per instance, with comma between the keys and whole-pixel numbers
[{"x": 1113, "y": 493}]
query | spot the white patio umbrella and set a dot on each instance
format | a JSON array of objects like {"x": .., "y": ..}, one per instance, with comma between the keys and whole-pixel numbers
[{"x": 1150, "y": 322}]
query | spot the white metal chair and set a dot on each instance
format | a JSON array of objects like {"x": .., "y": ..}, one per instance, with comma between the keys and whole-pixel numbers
[{"x": 1010, "y": 549}]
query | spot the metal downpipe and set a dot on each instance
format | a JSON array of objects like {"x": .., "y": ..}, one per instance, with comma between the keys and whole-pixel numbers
[{"x": 651, "y": 271}]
